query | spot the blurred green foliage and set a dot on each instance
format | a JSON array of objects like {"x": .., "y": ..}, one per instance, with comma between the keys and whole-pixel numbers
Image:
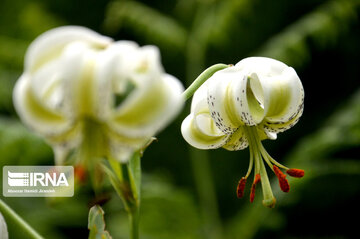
[{"x": 320, "y": 38}]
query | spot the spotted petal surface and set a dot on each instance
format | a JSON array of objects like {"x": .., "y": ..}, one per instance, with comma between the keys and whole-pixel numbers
[{"x": 257, "y": 91}]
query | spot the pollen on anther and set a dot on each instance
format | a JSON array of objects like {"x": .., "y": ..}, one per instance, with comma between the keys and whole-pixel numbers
[
  {"x": 241, "y": 187},
  {"x": 284, "y": 184},
  {"x": 253, "y": 187},
  {"x": 296, "y": 173}
]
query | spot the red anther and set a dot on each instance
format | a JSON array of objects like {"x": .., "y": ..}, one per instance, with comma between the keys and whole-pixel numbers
[
  {"x": 241, "y": 187},
  {"x": 296, "y": 173},
  {"x": 284, "y": 184},
  {"x": 80, "y": 173},
  {"x": 278, "y": 172},
  {"x": 253, "y": 186}
]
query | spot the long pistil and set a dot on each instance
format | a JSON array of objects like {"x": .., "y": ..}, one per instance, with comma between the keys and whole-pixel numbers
[
  {"x": 253, "y": 187},
  {"x": 255, "y": 144}
]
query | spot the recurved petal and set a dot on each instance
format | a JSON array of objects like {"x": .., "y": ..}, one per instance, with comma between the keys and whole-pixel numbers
[
  {"x": 272, "y": 128},
  {"x": 103, "y": 90},
  {"x": 77, "y": 66},
  {"x": 246, "y": 98},
  {"x": 35, "y": 113},
  {"x": 149, "y": 107},
  {"x": 47, "y": 86},
  {"x": 199, "y": 130},
  {"x": 50, "y": 44},
  {"x": 220, "y": 102},
  {"x": 112, "y": 77},
  {"x": 276, "y": 86},
  {"x": 232, "y": 101},
  {"x": 284, "y": 97},
  {"x": 263, "y": 66}
]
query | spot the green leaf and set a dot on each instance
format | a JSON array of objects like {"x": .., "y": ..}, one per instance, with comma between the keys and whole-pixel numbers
[{"x": 96, "y": 224}]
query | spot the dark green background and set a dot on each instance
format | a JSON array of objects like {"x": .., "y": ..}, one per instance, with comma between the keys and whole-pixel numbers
[{"x": 194, "y": 197}]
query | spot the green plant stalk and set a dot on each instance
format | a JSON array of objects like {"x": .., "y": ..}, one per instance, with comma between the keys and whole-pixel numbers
[
  {"x": 200, "y": 159},
  {"x": 127, "y": 185},
  {"x": 134, "y": 223},
  {"x": 206, "y": 192},
  {"x": 11, "y": 215},
  {"x": 204, "y": 76}
]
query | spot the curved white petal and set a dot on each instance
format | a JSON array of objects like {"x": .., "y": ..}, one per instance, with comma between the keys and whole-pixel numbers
[
  {"x": 154, "y": 100},
  {"x": 279, "y": 90},
  {"x": 46, "y": 84},
  {"x": 220, "y": 101},
  {"x": 34, "y": 113},
  {"x": 232, "y": 101},
  {"x": 112, "y": 76},
  {"x": 103, "y": 89},
  {"x": 50, "y": 44},
  {"x": 247, "y": 103},
  {"x": 262, "y": 66},
  {"x": 198, "y": 128},
  {"x": 277, "y": 127},
  {"x": 77, "y": 72},
  {"x": 285, "y": 96},
  {"x": 201, "y": 132},
  {"x": 149, "y": 109}
]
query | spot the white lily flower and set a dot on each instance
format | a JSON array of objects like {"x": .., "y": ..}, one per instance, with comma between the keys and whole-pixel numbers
[
  {"x": 83, "y": 90},
  {"x": 243, "y": 104}
]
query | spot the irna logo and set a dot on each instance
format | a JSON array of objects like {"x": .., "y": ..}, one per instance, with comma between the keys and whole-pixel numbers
[{"x": 38, "y": 181}]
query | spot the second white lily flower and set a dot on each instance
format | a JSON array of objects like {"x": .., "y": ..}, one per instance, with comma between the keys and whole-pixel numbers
[
  {"x": 81, "y": 89},
  {"x": 243, "y": 104}
]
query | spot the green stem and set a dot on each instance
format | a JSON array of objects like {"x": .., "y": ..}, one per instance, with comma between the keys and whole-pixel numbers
[
  {"x": 134, "y": 224},
  {"x": 127, "y": 185},
  {"x": 204, "y": 76},
  {"x": 11, "y": 215},
  {"x": 195, "y": 61},
  {"x": 206, "y": 192}
]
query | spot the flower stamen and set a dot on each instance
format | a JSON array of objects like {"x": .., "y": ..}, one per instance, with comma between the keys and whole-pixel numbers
[
  {"x": 296, "y": 173},
  {"x": 241, "y": 187},
  {"x": 284, "y": 184},
  {"x": 258, "y": 155},
  {"x": 257, "y": 179}
]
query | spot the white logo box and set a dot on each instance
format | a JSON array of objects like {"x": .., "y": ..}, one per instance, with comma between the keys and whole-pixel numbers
[{"x": 38, "y": 181}]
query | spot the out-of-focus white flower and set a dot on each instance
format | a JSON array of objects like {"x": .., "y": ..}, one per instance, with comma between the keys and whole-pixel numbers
[
  {"x": 81, "y": 89},
  {"x": 3, "y": 228},
  {"x": 243, "y": 104}
]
